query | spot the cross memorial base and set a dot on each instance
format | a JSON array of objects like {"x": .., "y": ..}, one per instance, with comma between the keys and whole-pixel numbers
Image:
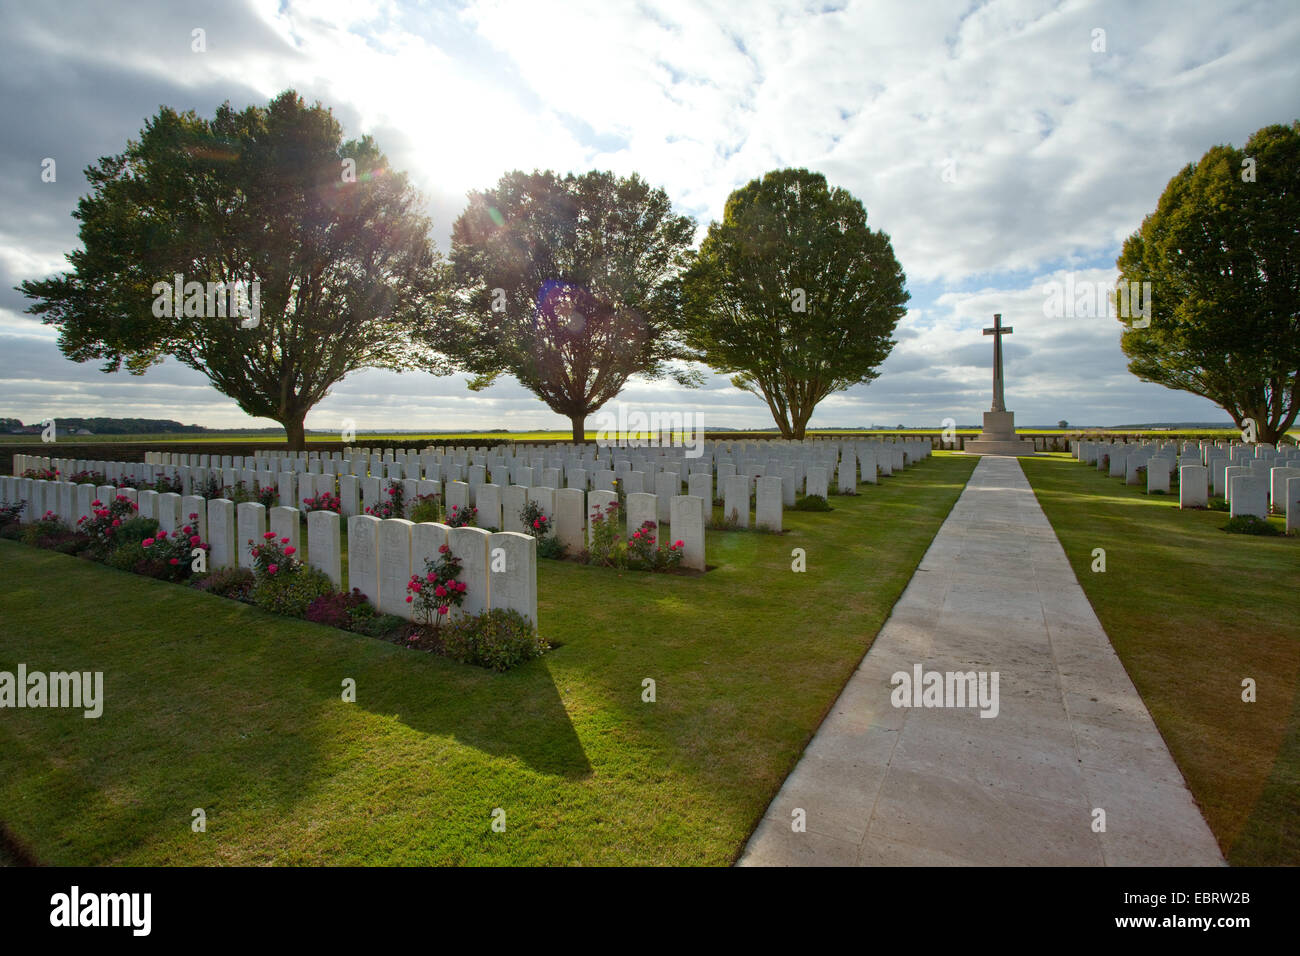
[{"x": 999, "y": 437}]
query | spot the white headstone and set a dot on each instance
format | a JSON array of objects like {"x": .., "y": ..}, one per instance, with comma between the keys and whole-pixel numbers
[
  {"x": 323, "y": 548},
  {"x": 286, "y": 522},
  {"x": 640, "y": 509},
  {"x": 700, "y": 485},
  {"x": 598, "y": 503},
  {"x": 1293, "y": 506},
  {"x": 867, "y": 456},
  {"x": 848, "y": 474},
  {"x": 1230, "y": 473},
  {"x": 394, "y": 566},
  {"x": 250, "y": 518},
  {"x": 363, "y": 556},
  {"x": 1278, "y": 477},
  {"x": 221, "y": 534},
  {"x": 457, "y": 496},
  {"x": 513, "y": 499},
  {"x": 1249, "y": 495},
  {"x": 568, "y": 519},
  {"x": 735, "y": 500},
  {"x": 471, "y": 546},
  {"x": 513, "y": 563},
  {"x": 1157, "y": 476},
  {"x": 489, "y": 506},
  {"x": 688, "y": 527},
  {"x": 167, "y": 511},
  {"x": 768, "y": 503},
  {"x": 1193, "y": 488},
  {"x": 668, "y": 485},
  {"x": 286, "y": 487},
  {"x": 816, "y": 481},
  {"x": 426, "y": 538}
]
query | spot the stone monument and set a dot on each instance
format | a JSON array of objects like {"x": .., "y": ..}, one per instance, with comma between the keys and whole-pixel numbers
[{"x": 999, "y": 434}]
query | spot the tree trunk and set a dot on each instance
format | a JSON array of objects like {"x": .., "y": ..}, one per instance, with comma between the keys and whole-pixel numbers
[
  {"x": 295, "y": 433},
  {"x": 579, "y": 428}
]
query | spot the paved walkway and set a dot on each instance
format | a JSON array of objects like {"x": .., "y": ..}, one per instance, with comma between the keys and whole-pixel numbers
[{"x": 884, "y": 785}]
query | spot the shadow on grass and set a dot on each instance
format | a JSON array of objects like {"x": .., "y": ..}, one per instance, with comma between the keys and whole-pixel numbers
[
  {"x": 516, "y": 714},
  {"x": 217, "y": 705}
]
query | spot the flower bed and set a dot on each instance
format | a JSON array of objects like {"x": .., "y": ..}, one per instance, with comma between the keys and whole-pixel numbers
[
  {"x": 642, "y": 552},
  {"x": 279, "y": 582}
]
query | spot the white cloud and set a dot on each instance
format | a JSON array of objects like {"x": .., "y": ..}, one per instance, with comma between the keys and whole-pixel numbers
[{"x": 1059, "y": 150}]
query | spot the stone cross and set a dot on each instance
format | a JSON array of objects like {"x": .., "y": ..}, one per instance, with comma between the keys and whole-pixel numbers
[{"x": 997, "y": 332}]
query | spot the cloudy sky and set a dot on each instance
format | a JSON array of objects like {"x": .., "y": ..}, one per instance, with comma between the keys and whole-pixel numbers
[{"x": 1002, "y": 145}]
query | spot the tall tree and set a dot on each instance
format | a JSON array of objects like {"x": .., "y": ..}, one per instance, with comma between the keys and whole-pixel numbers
[
  {"x": 1222, "y": 254},
  {"x": 570, "y": 285},
  {"x": 332, "y": 236},
  {"x": 793, "y": 294}
]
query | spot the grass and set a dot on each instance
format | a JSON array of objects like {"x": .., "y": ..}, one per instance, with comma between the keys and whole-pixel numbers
[
  {"x": 216, "y": 705},
  {"x": 1192, "y": 611}
]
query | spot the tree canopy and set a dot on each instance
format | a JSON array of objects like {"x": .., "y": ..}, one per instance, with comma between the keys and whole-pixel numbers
[
  {"x": 272, "y": 195},
  {"x": 1222, "y": 254},
  {"x": 569, "y": 284},
  {"x": 793, "y": 294}
]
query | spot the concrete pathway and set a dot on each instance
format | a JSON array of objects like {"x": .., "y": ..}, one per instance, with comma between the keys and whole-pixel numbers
[{"x": 883, "y": 785}]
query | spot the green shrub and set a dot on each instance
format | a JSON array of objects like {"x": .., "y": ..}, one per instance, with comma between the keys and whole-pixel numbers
[
  {"x": 425, "y": 508},
  {"x": 498, "y": 640},
  {"x": 1250, "y": 524},
  {"x": 134, "y": 531},
  {"x": 291, "y": 592},
  {"x": 605, "y": 547},
  {"x": 551, "y": 547},
  {"x": 534, "y": 520},
  {"x": 9, "y": 512},
  {"x": 812, "y": 503},
  {"x": 384, "y": 626},
  {"x": 645, "y": 552},
  {"x": 43, "y": 532},
  {"x": 1219, "y": 504},
  {"x": 125, "y": 557},
  {"x": 336, "y": 610},
  {"x": 234, "y": 583}
]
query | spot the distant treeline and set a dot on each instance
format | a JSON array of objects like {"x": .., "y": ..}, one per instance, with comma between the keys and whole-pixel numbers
[{"x": 103, "y": 426}]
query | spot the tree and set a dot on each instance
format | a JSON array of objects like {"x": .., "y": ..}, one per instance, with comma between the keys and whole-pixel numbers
[
  {"x": 1222, "y": 254},
  {"x": 1062, "y": 424},
  {"x": 320, "y": 239},
  {"x": 793, "y": 294},
  {"x": 570, "y": 285}
]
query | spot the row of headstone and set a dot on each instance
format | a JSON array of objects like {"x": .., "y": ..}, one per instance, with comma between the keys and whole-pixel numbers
[
  {"x": 662, "y": 476},
  {"x": 382, "y": 554},
  {"x": 1253, "y": 478},
  {"x": 498, "y": 568}
]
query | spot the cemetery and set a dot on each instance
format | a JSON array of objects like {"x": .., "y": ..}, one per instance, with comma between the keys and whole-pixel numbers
[
  {"x": 529, "y": 737},
  {"x": 347, "y": 530}
]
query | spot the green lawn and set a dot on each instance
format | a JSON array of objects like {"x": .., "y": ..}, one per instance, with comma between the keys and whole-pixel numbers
[
  {"x": 218, "y": 705},
  {"x": 1192, "y": 611}
]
